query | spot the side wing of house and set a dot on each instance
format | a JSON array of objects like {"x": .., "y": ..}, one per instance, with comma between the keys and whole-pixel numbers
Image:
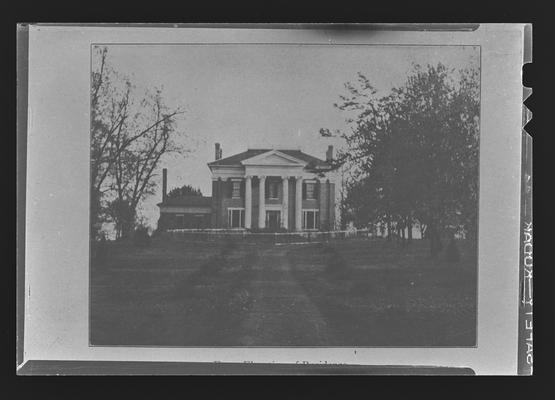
[{"x": 185, "y": 213}]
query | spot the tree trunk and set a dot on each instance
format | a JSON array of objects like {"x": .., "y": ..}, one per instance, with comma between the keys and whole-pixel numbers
[
  {"x": 452, "y": 251},
  {"x": 128, "y": 224},
  {"x": 435, "y": 241},
  {"x": 125, "y": 230},
  {"x": 389, "y": 228}
]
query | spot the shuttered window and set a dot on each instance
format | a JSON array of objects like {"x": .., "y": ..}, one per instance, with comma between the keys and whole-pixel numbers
[
  {"x": 309, "y": 191},
  {"x": 236, "y": 189}
]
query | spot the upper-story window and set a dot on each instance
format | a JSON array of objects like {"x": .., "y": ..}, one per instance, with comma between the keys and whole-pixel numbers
[
  {"x": 310, "y": 191},
  {"x": 273, "y": 190},
  {"x": 236, "y": 190}
]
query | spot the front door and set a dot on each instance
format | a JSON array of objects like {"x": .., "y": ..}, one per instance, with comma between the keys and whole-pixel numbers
[{"x": 273, "y": 220}]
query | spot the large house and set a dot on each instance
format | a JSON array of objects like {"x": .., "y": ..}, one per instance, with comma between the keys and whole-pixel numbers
[{"x": 258, "y": 189}]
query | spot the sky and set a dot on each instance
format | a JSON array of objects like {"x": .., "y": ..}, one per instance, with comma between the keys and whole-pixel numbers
[{"x": 262, "y": 96}]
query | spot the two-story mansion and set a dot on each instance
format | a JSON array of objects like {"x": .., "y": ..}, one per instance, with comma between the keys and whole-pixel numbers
[{"x": 269, "y": 189}]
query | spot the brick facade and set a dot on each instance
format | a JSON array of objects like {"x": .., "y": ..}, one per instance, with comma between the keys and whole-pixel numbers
[
  {"x": 273, "y": 167},
  {"x": 222, "y": 201}
]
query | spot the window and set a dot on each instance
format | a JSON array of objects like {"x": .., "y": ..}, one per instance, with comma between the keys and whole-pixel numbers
[
  {"x": 273, "y": 190},
  {"x": 179, "y": 221},
  {"x": 235, "y": 217},
  {"x": 236, "y": 190},
  {"x": 310, "y": 191},
  {"x": 310, "y": 219}
]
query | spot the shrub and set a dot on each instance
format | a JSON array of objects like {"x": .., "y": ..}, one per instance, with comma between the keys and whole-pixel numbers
[
  {"x": 99, "y": 250},
  {"x": 141, "y": 238}
]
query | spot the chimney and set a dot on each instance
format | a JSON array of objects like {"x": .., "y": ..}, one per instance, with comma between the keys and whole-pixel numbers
[
  {"x": 329, "y": 153},
  {"x": 218, "y": 152},
  {"x": 164, "y": 184}
]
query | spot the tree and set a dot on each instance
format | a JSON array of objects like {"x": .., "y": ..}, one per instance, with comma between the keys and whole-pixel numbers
[
  {"x": 130, "y": 133},
  {"x": 185, "y": 190},
  {"x": 413, "y": 153}
]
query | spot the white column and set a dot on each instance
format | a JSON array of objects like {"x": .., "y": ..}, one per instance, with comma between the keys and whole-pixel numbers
[
  {"x": 285, "y": 202},
  {"x": 261, "y": 202},
  {"x": 323, "y": 204},
  {"x": 248, "y": 201},
  {"x": 298, "y": 203}
]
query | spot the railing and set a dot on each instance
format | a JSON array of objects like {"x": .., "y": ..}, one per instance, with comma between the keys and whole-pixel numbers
[{"x": 301, "y": 237}]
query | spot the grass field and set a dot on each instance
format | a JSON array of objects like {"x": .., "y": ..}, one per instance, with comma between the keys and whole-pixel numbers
[{"x": 355, "y": 292}]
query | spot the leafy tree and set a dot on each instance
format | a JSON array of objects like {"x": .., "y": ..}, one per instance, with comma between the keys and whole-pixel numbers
[
  {"x": 413, "y": 153},
  {"x": 185, "y": 190}
]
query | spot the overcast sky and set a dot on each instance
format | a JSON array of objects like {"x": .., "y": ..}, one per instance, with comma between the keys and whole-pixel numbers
[{"x": 263, "y": 96}]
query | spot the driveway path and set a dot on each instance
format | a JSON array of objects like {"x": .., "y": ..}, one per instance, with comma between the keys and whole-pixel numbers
[{"x": 281, "y": 313}]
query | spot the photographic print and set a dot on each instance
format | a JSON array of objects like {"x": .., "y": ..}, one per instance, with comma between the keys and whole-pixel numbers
[{"x": 284, "y": 195}]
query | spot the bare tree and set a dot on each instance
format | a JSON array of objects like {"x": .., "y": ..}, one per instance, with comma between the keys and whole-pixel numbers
[{"x": 130, "y": 133}]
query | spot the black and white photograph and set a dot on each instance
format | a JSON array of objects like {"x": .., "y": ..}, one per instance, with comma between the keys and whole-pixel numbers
[
  {"x": 284, "y": 195},
  {"x": 274, "y": 199}
]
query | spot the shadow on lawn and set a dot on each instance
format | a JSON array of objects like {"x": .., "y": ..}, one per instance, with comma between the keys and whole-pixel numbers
[
  {"x": 204, "y": 307},
  {"x": 405, "y": 300},
  {"x": 214, "y": 298},
  {"x": 336, "y": 266},
  {"x": 206, "y": 273}
]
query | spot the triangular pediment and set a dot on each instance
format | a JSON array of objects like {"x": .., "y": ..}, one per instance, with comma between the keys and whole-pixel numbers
[{"x": 274, "y": 158}]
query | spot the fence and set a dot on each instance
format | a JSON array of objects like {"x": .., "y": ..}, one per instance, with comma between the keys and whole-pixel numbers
[{"x": 278, "y": 238}]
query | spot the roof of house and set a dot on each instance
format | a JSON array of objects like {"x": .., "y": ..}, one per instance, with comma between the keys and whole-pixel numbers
[
  {"x": 191, "y": 201},
  {"x": 237, "y": 158}
]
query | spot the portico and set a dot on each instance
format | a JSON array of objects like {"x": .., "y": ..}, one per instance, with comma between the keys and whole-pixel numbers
[{"x": 265, "y": 206}]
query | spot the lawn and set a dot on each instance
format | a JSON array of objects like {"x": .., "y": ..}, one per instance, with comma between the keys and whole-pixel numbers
[{"x": 356, "y": 292}]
